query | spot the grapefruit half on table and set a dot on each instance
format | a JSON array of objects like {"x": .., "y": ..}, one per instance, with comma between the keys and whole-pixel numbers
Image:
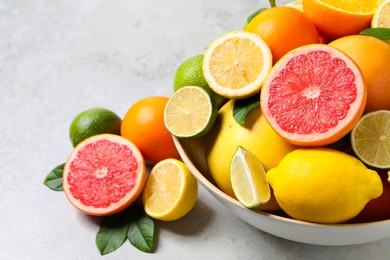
[
  {"x": 314, "y": 95},
  {"x": 103, "y": 175}
]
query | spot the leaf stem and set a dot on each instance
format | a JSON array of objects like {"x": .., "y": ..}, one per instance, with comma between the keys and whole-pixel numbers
[{"x": 272, "y": 3}]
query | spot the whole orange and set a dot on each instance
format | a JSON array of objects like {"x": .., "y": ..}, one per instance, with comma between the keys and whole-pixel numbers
[
  {"x": 283, "y": 29},
  {"x": 144, "y": 125},
  {"x": 373, "y": 58}
]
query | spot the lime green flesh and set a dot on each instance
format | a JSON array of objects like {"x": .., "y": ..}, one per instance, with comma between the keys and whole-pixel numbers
[
  {"x": 92, "y": 122},
  {"x": 190, "y": 112},
  {"x": 370, "y": 139},
  {"x": 248, "y": 179}
]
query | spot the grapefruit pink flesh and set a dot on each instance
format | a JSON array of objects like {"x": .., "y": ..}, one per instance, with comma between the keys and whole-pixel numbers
[
  {"x": 103, "y": 175},
  {"x": 314, "y": 95}
]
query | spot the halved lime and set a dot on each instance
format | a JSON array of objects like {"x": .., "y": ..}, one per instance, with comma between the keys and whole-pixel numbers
[
  {"x": 248, "y": 178},
  {"x": 190, "y": 112},
  {"x": 370, "y": 139}
]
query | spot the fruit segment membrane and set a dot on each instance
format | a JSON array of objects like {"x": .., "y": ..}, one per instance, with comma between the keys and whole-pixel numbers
[
  {"x": 314, "y": 82},
  {"x": 97, "y": 178},
  {"x": 237, "y": 68}
]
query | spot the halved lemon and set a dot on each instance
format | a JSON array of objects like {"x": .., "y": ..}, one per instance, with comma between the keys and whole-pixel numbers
[
  {"x": 248, "y": 179},
  {"x": 170, "y": 191},
  {"x": 381, "y": 16},
  {"x": 236, "y": 64},
  {"x": 295, "y": 4}
]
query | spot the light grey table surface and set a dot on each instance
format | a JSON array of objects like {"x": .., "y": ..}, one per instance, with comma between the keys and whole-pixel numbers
[{"x": 58, "y": 58}]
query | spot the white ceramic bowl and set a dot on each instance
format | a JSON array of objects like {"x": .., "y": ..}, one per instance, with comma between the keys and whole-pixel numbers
[{"x": 192, "y": 154}]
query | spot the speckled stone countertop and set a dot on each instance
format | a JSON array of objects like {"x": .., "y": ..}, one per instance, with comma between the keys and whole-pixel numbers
[{"x": 58, "y": 58}]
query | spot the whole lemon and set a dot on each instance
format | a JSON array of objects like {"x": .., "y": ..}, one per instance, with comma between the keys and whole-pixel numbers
[
  {"x": 323, "y": 185},
  {"x": 256, "y": 136}
]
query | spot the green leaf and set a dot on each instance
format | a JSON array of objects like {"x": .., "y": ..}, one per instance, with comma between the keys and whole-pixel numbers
[
  {"x": 113, "y": 232},
  {"x": 243, "y": 107},
  {"x": 141, "y": 234},
  {"x": 54, "y": 179},
  {"x": 380, "y": 33},
  {"x": 132, "y": 224},
  {"x": 250, "y": 17}
]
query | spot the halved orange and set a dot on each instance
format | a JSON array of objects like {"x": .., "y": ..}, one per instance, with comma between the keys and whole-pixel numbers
[
  {"x": 335, "y": 19},
  {"x": 236, "y": 64},
  {"x": 314, "y": 95}
]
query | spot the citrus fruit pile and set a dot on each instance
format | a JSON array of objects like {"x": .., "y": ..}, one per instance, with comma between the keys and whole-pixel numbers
[
  {"x": 106, "y": 171},
  {"x": 294, "y": 110}
]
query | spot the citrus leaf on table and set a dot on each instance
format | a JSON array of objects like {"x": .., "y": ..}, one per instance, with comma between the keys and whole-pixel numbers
[
  {"x": 54, "y": 179},
  {"x": 380, "y": 33},
  {"x": 243, "y": 107},
  {"x": 132, "y": 224},
  {"x": 112, "y": 233},
  {"x": 141, "y": 233}
]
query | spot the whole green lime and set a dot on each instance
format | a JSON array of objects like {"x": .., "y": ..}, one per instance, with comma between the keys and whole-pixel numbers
[
  {"x": 190, "y": 73},
  {"x": 94, "y": 121}
]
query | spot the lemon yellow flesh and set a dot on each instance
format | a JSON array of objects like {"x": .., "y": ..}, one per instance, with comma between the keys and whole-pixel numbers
[
  {"x": 190, "y": 112},
  {"x": 370, "y": 139},
  {"x": 236, "y": 64},
  {"x": 296, "y": 4},
  {"x": 232, "y": 63},
  {"x": 170, "y": 191},
  {"x": 382, "y": 16},
  {"x": 248, "y": 179},
  {"x": 355, "y": 6}
]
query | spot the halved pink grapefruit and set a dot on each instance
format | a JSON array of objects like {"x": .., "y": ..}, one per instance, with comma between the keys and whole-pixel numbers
[
  {"x": 103, "y": 175},
  {"x": 314, "y": 95}
]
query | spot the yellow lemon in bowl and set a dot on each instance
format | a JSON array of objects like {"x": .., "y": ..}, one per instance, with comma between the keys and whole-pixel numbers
[
  {"x": 256, "y": 136},
  {"x": 323, "y": 185}
]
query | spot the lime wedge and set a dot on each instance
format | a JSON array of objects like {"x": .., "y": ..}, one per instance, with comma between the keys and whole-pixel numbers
[
  {"x": 190, "y": 112},
  {"x": 248, "y": 178},
  {"x": 370, "y": 139}
]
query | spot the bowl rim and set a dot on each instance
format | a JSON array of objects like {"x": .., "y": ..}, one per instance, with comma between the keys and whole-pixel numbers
[{"x": 205, "y": 182}]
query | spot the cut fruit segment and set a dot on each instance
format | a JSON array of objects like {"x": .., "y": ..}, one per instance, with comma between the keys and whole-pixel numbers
[
  {"x": 381, "y": 17},
  {"x": 370, "y": 139},
  {"x": 170, "y": 191},
  {"x": 236, "y": 64},
  {"x": 103, "y": 175},
  {"x": 190, "y": 112},
  {"x": 335, "y": 19},
  {"x": 314, "y": 95},
  {"x": 248, "y": 179},
  {"x": 295, "y": 4}
]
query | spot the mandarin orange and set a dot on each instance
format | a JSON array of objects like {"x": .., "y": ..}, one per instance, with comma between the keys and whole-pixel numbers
[
  {"x": 283, "y": 29},
  {"x": 144, "y": 125}
]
